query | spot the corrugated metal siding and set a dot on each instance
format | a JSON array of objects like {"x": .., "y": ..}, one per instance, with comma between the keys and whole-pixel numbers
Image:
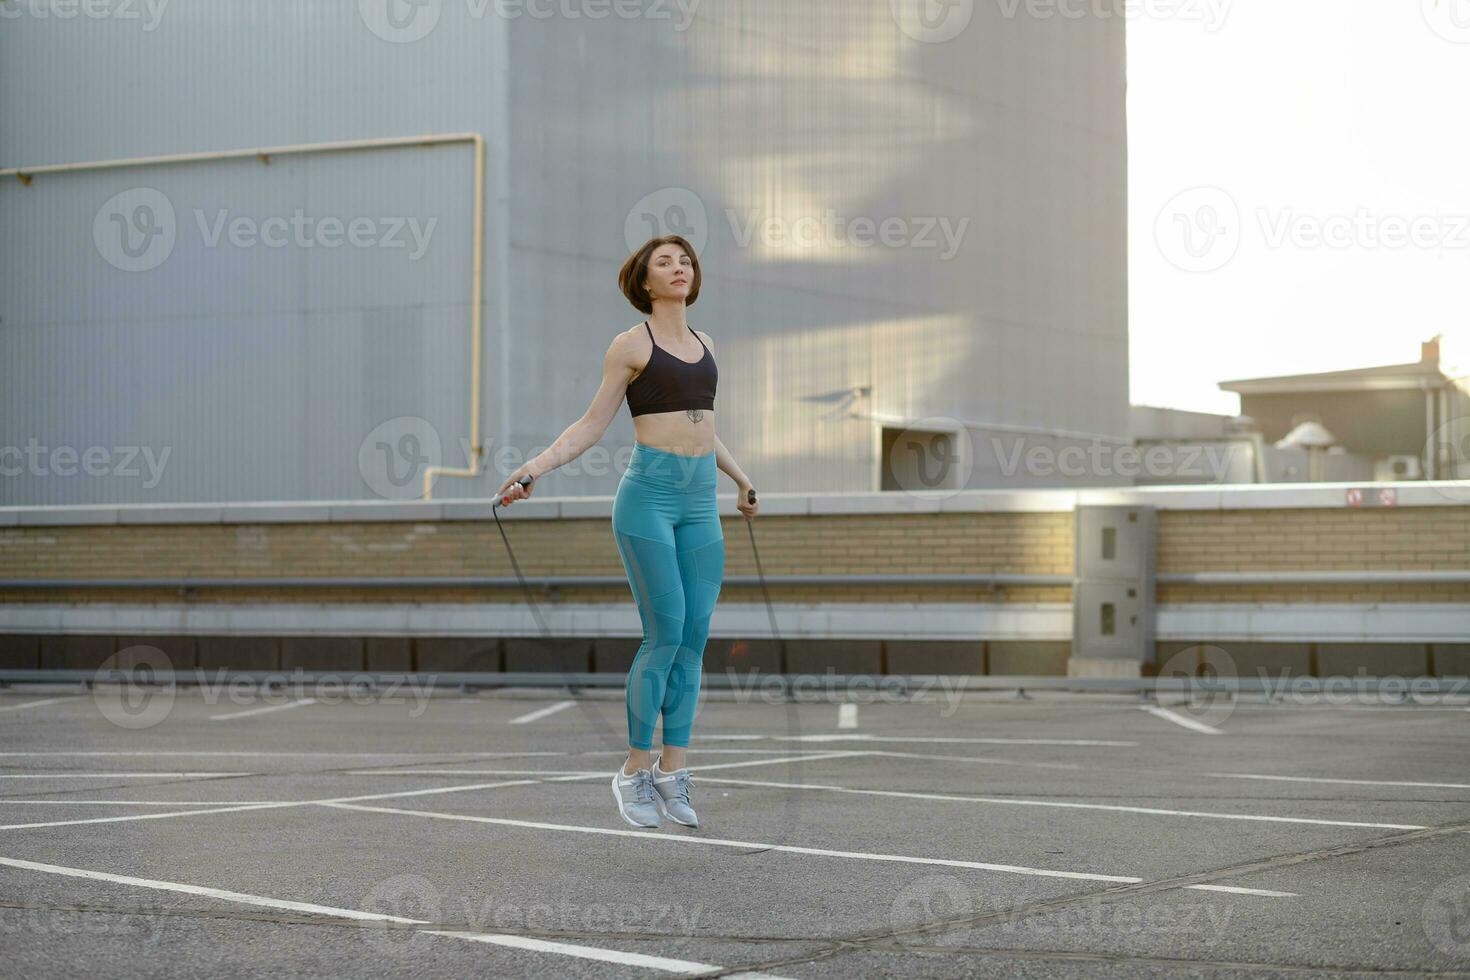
[{"x": 261, "y": 371}]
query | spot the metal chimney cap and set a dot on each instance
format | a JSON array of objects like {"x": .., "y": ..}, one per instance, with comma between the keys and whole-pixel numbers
[{"x": 1308, "y": 435}]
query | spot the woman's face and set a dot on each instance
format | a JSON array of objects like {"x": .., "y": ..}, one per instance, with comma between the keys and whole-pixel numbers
[{"x": 670, "y": 273}]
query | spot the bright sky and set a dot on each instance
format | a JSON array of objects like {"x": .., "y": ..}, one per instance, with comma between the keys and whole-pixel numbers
[{"x": 1318, "y": 121}]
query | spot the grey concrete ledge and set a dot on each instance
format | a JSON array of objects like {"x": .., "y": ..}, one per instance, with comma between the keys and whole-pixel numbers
[
  {"x": 1321, "y": 496},
  {"x": 1324, "y": 622}
]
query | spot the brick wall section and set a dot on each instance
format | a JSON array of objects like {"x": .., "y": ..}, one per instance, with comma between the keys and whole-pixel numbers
[
  {"x": 1314, "y": 539},
  {"x": 1011, "y": 541}
]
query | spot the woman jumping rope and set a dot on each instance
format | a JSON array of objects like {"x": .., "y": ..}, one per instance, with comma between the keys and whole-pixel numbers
[{"x": 664, "y": 519}]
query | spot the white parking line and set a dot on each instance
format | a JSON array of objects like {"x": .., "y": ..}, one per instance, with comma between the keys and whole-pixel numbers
[
  {"x": 331, "y": 911},
  {"x": 550, "y": 709},
  {"x": 260, "y": 711},
  {"x": 43, "y": 701},
  {"x": 788, "y": 848},
  {"x": 213, "y": 803},
  {"x": 281, "y": 805},
  {"x": 1325, "y": 779},
  {"x": 1072, "y": 806},
  {"x": 901, "y": 738},
  {"x": 595, "y": 953},
  {"x": 288, "y": 754},
  {"x": 1183, "y": 720},
  {"x": 847, "y": 716},
  {"x": 128, "y": 818},
  {"x": 569, "y": 775},
  {"x": 122, "y": 775}
]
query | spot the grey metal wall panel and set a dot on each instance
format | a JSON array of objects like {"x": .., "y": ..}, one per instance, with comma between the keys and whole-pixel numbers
[{"x": 262, "y": 371}]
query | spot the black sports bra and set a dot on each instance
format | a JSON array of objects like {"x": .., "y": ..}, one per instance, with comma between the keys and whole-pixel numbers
[{"x": 669, "y": 384}]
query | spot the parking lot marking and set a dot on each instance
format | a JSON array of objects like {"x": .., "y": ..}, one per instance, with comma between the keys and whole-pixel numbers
[
  {"x": 550, "y": 709},
  {"x": 724, "y": 842},
  {"x": 1181, "y": 720},
  {"x": 281, "y": 805},
  {"x": 40, "y": 703},
  {"x": 592, "y": 953},
  {"x": 869, "y": 737},
  {"x": 146, "y": 754},
  {"x": 260, "y": 711},
  {"x": 1325, "y": 779},
  {"x": 847, "y": 716},
  {"x": 903, "y": 794},
  {"x": 121, "y": 775},
  {"x": 336, "y": 912}
]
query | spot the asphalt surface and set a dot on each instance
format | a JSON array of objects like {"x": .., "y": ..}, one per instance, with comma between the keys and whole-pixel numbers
[{"x": 452, "y": 835}]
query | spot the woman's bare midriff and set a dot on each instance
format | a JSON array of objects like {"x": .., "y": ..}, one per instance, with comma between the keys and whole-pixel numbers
[{"x": 677, "y": 432}]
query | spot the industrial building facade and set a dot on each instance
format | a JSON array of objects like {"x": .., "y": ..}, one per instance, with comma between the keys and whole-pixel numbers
[{"x": 912, "y": 239}]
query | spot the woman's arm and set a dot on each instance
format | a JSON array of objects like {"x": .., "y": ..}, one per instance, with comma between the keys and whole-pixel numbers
[
  {"x": 726, "y": 462},
  {"x": 618, "y": 367}
]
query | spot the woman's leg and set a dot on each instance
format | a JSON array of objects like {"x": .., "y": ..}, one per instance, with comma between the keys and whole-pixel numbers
[
  {"x": 643, "y": 529},
  {"x": 699, "y": 544}
]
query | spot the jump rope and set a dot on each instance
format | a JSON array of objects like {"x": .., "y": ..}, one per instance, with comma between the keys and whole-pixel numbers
[
  {"x": 525, "y": 481},
  {"x": 792, "y": 725}
]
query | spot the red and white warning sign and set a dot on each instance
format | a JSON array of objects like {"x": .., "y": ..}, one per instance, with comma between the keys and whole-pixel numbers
[
  {"x": 1355, "y": 496},
  {"x": 1388, "y": 496}
]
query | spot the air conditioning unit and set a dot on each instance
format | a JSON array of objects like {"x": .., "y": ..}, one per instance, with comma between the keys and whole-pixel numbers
[{"x": 1397, "y": 467}]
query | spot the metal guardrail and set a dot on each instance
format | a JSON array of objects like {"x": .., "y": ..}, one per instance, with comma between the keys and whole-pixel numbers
[
  {"x": 1400, "y": 575},
  {"x": 789, "y": 684},
  {"x": 1260, "y": 577},
  {"x": 546, "y": 581}
]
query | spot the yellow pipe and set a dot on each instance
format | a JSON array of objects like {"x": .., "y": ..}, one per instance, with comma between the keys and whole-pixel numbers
[{"x": 264, "y": 153}]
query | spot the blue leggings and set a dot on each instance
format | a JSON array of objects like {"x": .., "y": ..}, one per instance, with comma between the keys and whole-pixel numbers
[{"x": 667, "y": 530}]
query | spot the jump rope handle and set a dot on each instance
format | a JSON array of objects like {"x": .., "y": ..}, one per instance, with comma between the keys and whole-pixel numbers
[
  {"x": 750, "y": 496},
  {"x": 524, "y": 481}
]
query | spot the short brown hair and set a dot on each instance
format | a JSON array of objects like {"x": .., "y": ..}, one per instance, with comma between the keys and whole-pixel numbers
[{"x": 635, "y": 270}]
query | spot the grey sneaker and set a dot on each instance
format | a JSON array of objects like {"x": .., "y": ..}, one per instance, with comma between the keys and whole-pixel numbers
[
  {"x": 673, "y": 794},
  {"x": 636, "y": 798}
]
